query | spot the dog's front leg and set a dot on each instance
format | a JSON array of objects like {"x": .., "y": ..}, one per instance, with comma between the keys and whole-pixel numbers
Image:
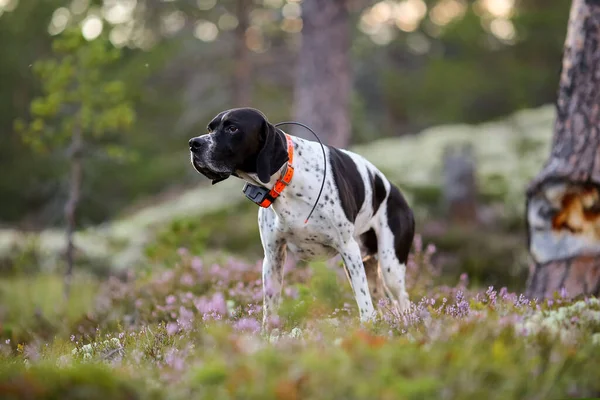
[
  {"x": 358, "y": 280},
  {"x": 272, "y": 277}
]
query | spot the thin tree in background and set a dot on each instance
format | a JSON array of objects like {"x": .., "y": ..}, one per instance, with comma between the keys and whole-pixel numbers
[
  {"x": 242, "y": 68},
  {"x": 78, "y": 106},
  {"x": 324, "y": 81},
  {"x": 563, "y": 200}
]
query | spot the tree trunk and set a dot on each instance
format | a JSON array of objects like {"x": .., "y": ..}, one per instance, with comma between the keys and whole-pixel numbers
[
  {"x": 323, "y": 83},
  {"x": 241, "y": 78},
  {"x": 72, "y": 203},
  {"x": 563, "y": 200},
  {"x": 459, "y": 190}
]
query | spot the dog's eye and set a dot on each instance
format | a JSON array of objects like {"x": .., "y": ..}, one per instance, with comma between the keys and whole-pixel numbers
[{"x": 231, "y": 129}]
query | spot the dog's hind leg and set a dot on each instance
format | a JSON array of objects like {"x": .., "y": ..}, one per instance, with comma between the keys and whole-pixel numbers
[{"x": 394, "y": 240}]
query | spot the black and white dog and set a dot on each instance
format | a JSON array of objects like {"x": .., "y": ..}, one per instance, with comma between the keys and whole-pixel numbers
[{"x": 360, "y": 215}]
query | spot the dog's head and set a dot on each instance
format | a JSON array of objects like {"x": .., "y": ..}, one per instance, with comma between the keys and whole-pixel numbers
[{"x": 240, "y": 139}]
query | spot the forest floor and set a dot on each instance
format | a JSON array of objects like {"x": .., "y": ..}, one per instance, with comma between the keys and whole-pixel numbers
[{"x": 192, "y": 330}]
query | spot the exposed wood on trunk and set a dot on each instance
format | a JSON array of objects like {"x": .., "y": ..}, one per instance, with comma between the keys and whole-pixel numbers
[
  {"x": 323, "y": 83},
  {"x": 242, "y": 85},
  {"x": 576, "y": 275},
  {"x": 72, "y": 203},
  {"x": 563, "y": 207}
]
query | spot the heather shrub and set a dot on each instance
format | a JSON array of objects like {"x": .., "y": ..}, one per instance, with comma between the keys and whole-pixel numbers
[
  {"x": 76, "y": 382},
  {"x": 192, "y": 329}
]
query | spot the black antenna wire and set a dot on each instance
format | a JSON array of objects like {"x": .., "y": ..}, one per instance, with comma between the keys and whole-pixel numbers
[{"x": 324, "y": 162}]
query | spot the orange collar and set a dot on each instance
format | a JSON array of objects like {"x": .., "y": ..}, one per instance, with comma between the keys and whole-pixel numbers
[
  {"x": 265, "y": 197},
  {"x": 284, "y": 179}
]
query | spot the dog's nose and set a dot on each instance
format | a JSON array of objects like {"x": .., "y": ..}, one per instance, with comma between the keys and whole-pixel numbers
[{"x": 195, "y": 143}]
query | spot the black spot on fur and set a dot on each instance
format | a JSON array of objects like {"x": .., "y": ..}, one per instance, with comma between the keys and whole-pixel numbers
[
  {"x": 351, "y": 188},
  {"x": 379, "y": 191},
  {"x": 401, "y": 222}
]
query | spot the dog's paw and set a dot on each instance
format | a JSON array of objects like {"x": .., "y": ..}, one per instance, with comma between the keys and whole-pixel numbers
[{"x": 368, "y": 320}]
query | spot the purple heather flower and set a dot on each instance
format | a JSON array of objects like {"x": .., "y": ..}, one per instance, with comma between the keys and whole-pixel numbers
[
  {"x": 247, "y": 324},
  {"x": 185, "y": 318},
  {"x": 172, "y": 328},
  {"x": 291, "y": 292},
  {"x": 254, "y": 309},
  {"x": 431, "y": 249},
  {"x": 491, "y": 294},
  {"x": 215, "y": 304},
  {"x": 418, "y": 243},
  {"x": 187, "y": 280},
  {"x": 197, "y": 264},
  {"x": 503, "y": 293}
]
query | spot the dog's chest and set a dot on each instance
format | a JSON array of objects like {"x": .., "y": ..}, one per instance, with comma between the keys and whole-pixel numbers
[
  {"x": 312, "y": 241},
  {"x": 310, "y": 247}
]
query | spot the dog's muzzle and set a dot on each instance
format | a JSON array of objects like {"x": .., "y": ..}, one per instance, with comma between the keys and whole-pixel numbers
[{"x": 199, "y": 149}]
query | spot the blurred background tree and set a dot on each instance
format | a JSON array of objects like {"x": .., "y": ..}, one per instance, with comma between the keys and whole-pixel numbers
[
  {"x": 80, "y": 105},
  {"x": 324, "y": 77},
  {"x": 414, "y": 63}
]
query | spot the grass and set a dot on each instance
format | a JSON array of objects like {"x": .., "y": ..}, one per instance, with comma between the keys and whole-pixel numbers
[
  {"x": 35, "y": 304},
  {"x": 191, "y": 330}
]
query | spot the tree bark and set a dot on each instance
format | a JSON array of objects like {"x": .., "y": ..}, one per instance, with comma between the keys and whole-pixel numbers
[
  {"x": 563, "y": 200},
  {"x": 459, "y": 194},
  {"x": 323, "y": 84},
  {"x": 72, "y": 203},
  {"x": 242, "y": 87}
]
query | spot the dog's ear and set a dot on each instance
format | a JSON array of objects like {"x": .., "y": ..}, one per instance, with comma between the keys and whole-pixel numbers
[{"x": 273, "y": 153}]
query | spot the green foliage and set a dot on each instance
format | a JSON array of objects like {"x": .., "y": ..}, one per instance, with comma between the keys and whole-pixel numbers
[
  {"x": 77, "y": 382},
  {"x": 33, "y": 305},
  {"x": 322, "y": 296},
  {"x": 232, "y": 230},
  {"x": 496, "y": 258},
  {"x": 471, "y": 76},
  {"x": 22, "y": 258},
  {"x": 78, "y": 94},
  {"x": 478, "y": 363}
]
